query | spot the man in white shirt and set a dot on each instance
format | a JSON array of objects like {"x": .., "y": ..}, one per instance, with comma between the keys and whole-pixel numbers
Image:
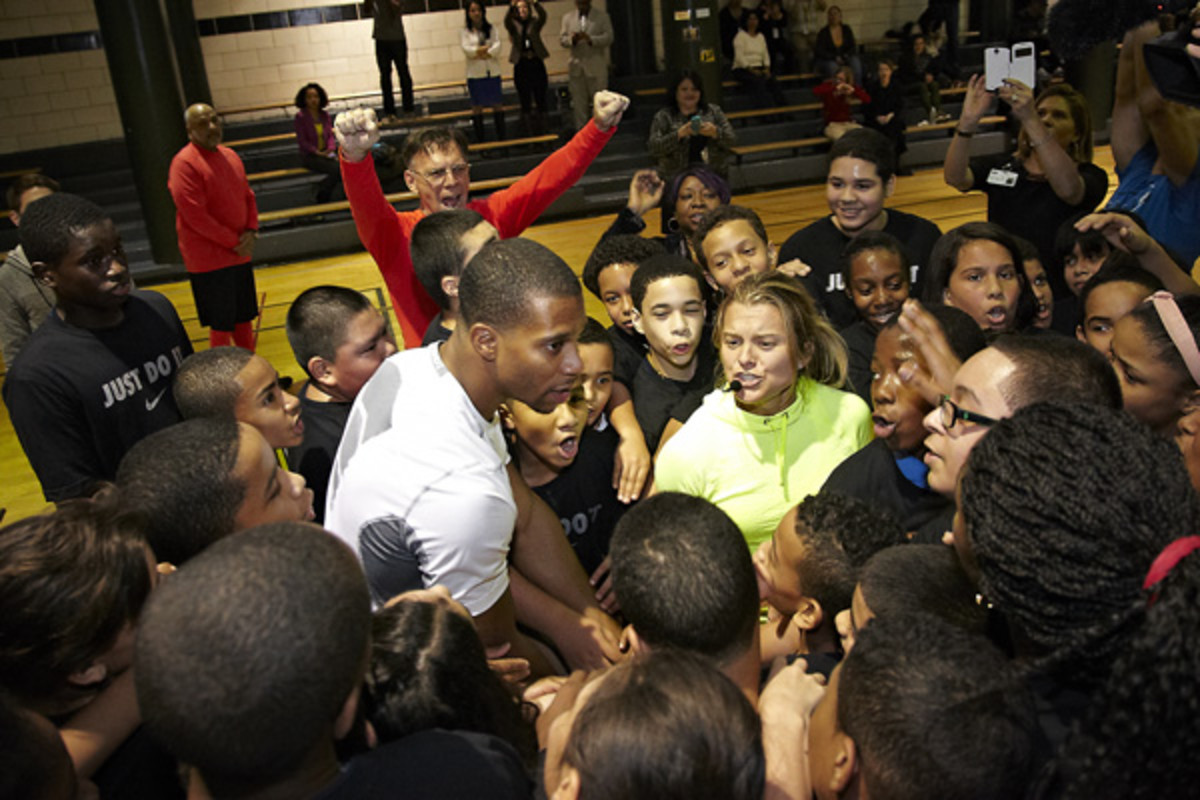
[{"x": 422, "y": 488}]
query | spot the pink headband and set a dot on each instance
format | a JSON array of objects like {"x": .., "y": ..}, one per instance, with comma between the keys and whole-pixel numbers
[
  {"x": 1177, "y": 328},
  {"x": 1170, "y": 556}
]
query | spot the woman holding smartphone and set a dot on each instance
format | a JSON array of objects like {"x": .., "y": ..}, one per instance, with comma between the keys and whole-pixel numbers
[
  {"x": 687, "y": 130},
  {"x": 1048, "y": 180}
]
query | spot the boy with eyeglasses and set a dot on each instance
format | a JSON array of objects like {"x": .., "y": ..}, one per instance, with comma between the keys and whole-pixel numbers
[{"x": 436, "y": 169}]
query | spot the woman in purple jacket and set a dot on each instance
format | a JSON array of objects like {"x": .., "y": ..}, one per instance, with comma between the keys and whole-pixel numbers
[{"x": 314, "y": 135}]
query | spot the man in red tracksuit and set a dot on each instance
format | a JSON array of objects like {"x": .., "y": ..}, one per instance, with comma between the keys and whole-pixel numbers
[{"x": 437, "y": 170}]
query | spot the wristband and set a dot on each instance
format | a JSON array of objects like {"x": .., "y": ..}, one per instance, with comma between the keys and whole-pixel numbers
[{"x": 963, "y": 134}]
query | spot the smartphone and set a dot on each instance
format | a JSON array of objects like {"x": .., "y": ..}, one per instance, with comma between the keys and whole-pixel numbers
[
  {"x": 1023, "y": 66},
  {"x": 695, "y": 123},
  {"x": 995, "y": 67},
  {"x": 1019, "y": 63}
]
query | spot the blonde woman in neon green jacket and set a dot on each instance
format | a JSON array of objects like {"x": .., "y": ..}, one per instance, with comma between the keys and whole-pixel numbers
[{"x": 780, "y": 422}]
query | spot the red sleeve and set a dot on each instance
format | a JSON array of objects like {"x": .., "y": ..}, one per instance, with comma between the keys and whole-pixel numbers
[
  {"x": 823, "y": 90},
  {"x": 385, "y": 234},
  {"x": 514, "y": 209},
  {"x": 861, "y": 94}
]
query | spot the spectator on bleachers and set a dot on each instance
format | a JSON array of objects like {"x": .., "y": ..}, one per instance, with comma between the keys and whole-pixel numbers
[
  {"x": 835, "y": 95},
  {"x": 314, "y": 135},
  {"x": 587, "y": 32},
  {"x": 688, "y": 130},
  {"x": 776, "y": 27},
  {"x": 941, "y": 20},
  {"x": 1049, "y": 179},
  {"x": 836, "y": 47},
  {"x": 524, "y": 21},
  {"x": 885, "y": 112},
  {"x": 690, "y": 195},
  {"x": 480, "y": 43},
  {"x": 752, "y": 63},
  {"x": 730, "y": 19},
  {"x": 391, "y": 47},
  {"x": 921, "y": 72},
  {"x": 24, "y": 302}
]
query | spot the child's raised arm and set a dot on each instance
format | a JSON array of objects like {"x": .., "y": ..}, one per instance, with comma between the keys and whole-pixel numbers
[{"x": 1123, "y": 233}]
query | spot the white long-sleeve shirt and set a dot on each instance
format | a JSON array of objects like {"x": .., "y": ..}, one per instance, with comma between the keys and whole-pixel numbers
[
  {"x": 750, "y": 52},
  {"x": 471, "y": 40}
]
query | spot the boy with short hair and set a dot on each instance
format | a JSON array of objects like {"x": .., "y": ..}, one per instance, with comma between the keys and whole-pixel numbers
[
  {"x": 283, "y": 611},
  {"x": 731, "y": 243},
  {"x": 877, "y": 283},
  {"x": 607, "y": 275},
  {"x": 913, "y": 578},
  {"x": 442, "y": 245},
  {"x": 807, "y": 571},
  {"x": 203, "y": 480},
  {"x": 339, "y": 340},
  {"x": 96, "y": 377},
  {"x": 888, "y": 471},
  {"x": 669, "y": 310},
  {"x": 959, "y": 721},
  {"x": 570, "y": 466},
  {"x": 862, "y": 175},
  {"x": 24, "y": 303},
  {"x": 683, "y": 577},
  {"x": 236, "y": 383},
  {"x": 596, "y": 378}
]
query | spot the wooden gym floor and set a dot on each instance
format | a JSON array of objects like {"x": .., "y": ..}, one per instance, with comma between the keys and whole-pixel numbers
[{"x": 783, "y": 211}]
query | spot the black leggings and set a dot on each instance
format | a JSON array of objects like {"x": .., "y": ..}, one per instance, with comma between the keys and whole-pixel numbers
[{"x": 529, "y": 75}]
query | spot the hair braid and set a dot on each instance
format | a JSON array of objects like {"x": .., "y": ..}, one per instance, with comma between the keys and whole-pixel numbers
[
  {"x": 1065, "y": 507},
  {"x": 1139, "y": 740}
]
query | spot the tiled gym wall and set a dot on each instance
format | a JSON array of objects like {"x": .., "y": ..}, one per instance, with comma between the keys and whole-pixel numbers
[{"x": 55, "y": 89}]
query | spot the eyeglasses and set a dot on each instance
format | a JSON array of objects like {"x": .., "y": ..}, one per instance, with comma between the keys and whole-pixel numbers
[
  {"x": 439, "y": 175},
  {"x": 951, "y": 414}
]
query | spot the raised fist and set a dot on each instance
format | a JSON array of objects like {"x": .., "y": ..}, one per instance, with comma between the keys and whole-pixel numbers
[{"x": 357, "y": 132}]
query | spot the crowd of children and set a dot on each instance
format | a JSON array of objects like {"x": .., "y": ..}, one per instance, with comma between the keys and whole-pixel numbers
[{"x": 782, "y": 530}]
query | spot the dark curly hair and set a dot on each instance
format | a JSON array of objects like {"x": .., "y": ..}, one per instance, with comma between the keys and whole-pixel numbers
[
  {"x": 620, "y": 248},
  {"x": 1139, "y": 738},
  {"x": 1065, "y": 508},
  {"x": 299, "y": 101}
]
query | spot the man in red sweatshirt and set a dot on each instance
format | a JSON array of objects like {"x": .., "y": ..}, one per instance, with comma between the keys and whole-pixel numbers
[
  {"x": 438, "y": 172},
  {"x": 217, "y": 223}
]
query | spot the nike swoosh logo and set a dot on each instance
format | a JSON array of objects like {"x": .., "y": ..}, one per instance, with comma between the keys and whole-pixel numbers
[{"x": 151, "y": 403}]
